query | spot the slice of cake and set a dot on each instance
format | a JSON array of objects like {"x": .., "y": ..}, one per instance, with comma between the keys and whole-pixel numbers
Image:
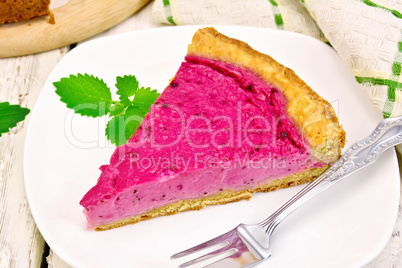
[
  {"x": 232, "y": 122},
  {"x": 17, "y": 10}
]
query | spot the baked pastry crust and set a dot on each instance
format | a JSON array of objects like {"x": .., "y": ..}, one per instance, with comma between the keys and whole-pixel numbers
[
  {"x": 313, "y": 115},
  {"x": 18, "y": 10}
]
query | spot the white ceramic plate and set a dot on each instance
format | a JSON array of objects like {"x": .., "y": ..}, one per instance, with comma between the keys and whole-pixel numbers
[{"x": 345, "y": 227}]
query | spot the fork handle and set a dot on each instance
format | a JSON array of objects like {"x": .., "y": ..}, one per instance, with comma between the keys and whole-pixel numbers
[{"x": 388, "y": 133}]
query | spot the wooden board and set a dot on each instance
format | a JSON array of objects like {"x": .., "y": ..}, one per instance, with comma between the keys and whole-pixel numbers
[
  {"x": 76, "y": 20},
  {"x": 21, "y": 81}
]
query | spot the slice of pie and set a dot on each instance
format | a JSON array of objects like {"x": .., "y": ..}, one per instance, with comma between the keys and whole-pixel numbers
[
  {"x": 14, "y": 11},
  {"x": 232, "y": 122}
]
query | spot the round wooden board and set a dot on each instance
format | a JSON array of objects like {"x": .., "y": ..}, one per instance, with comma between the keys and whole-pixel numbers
[{"x": 76, "y": 20}]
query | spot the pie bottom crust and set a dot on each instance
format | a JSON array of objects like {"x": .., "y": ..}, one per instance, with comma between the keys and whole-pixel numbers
[{"x": 220, "y": 198}]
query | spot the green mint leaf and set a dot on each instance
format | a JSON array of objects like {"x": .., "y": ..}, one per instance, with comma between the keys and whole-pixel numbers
[
  {"x": 90, "y": 96},
  {"x": 85, "y": 94},
  {"x": 10, "y": 115},
  {"x": 117, "y": 109},
  {"x": 120, "y": 128},
  {"x": 127, "y": 86},
  {"x": 144, "y": 98}
]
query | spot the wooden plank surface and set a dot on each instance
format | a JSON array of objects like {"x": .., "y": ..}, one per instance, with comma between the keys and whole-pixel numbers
[{"x": 21, "y": 80}]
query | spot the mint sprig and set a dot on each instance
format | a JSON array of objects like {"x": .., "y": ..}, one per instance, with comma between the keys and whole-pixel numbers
[
  {"x": 120, "y": 128},
  {"x": 145, "y": 97},
  {"x": 127, "y": 86},
  {"x": 90, "y": 96},
  {"x": 10, "y": 115},
  {"x": 85, "y": 94}
]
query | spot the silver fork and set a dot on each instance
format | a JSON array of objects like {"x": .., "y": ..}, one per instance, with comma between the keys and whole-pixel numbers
[{"x": 248, "y": 244}]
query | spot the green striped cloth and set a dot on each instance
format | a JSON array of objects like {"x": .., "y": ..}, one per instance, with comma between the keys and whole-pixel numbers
[{"x": 367, "y": 34}]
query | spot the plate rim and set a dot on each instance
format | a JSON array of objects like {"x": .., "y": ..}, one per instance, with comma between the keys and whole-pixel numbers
[{"x": 122, "y": 35}]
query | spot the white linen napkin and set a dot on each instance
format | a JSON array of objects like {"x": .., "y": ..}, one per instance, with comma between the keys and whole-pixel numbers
[{"x": 366, "y": 34}]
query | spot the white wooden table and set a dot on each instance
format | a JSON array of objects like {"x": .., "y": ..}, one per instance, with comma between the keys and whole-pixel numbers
[{"x": 21, "y": 81}]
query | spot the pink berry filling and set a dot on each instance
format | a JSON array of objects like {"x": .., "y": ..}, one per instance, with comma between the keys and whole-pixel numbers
[{"x": 215, "y": 127}]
